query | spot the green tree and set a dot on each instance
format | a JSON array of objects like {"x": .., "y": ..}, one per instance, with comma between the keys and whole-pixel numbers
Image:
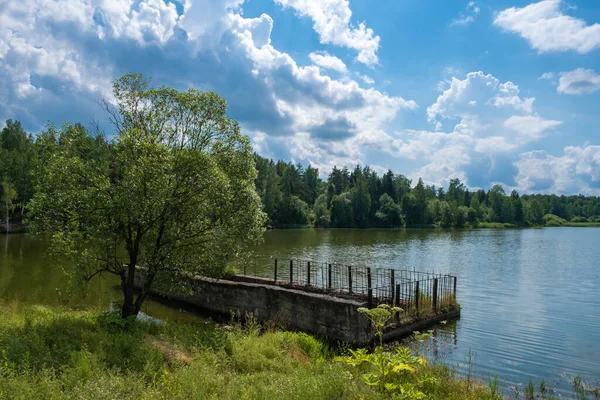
[
  {"x": 389, "y": 213},
  {"x": 322, "y": 217},
  {"x": 178, "y": 197},
  {"x": 517, "y": 204},
  {"x": 9, "y": 195},
  {"x": 447, "y": 218},
  {"x": 361, "y": 201},
  {"x": 461, "y": 216},
  {"x": 496, "y": 199},
  {"x": 342, "y": 213}
]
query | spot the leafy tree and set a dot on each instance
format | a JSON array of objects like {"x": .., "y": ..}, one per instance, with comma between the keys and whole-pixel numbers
[
  {"x": 401, "y": 187},
  {"x": 9, "y": 195},
  {"x": 361, "y": 201},
  {"x": 322, "y": 218},
  {"x": 447, "y": 218},
  {"x": 414, "y": 205},
  {"x": 342, "y": 213},
  {"x": 433, "y": 211},
  {"x": 461, "y": 216},
  {"x": 456, "y": 192},
  {"x": 178, "y": 196},
  {"x": 387, "y": 184},
  {"x": 496, "y": 198},
  {"x": 517, "y": 204},
  {"x": 311, "y": 183},
  {"x": 389, "y": 213},
  {"x": 336, "y": 179}
]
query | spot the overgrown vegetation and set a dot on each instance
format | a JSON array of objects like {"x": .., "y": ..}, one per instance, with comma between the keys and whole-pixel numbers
[{"x": 63, "y": 354}]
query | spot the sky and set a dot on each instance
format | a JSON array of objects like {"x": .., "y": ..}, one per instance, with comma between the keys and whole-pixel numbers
[{"x": 503, "y": 91}]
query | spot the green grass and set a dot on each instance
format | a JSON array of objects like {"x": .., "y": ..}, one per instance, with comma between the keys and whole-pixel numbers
[
  {"x": 495, "y": 225},
  {"x": 51, "y": 353},
  {"x": 64, "y": 354},
  {"x": 582, "y": 224}
]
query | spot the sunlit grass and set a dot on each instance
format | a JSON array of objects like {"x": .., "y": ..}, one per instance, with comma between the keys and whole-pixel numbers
[{"x": 53, "y": 353}]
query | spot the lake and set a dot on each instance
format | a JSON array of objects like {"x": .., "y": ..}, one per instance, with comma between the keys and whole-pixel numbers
[{"x": 530, "y": 298}]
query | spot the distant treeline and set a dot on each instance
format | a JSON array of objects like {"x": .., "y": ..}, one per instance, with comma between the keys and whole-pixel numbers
[
  {"x": 22, "y": 155},
  {"x": 294, "y": 196},
  {"x": 360, "y": 198}
]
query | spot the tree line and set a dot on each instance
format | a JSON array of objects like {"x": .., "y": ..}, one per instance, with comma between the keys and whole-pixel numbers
[
  {"x": 293, "y": 196},
  {"x": 360, "y": 198}
]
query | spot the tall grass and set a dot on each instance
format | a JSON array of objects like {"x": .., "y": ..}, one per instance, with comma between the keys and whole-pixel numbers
[{"x": 51, "y": 353}]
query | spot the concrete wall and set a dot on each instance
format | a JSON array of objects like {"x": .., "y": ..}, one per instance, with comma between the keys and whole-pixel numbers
[{"x": 319, "y": 314}]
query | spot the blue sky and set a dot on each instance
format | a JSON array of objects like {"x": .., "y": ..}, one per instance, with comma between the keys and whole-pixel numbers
[{"x": 504, "y": 91}]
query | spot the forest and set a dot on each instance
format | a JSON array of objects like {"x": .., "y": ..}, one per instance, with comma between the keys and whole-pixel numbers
[{"x": 294, "y": 196}]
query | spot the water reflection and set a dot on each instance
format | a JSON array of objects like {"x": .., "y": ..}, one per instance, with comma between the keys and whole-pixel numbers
[{"x": 529, "y": 297}]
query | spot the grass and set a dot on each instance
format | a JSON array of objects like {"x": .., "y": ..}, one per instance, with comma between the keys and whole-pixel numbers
[
  {"x": 49, "y": 353},
  {"x": 495, "y": 225},
  {"x": 55, "y": 353}
]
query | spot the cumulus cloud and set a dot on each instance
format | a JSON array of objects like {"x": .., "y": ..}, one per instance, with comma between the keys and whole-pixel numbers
[
  {"x": 332, "y": 22},
  {"x": 326, "y": 60},
  {"x": 579, "y": 81},
  {"x": 577, "y": 170},
  {"x": 55, "y": 62},
  {"x": 490, "y": 121},
  {"x": 547, "y": 28},
  {"x": 475, "y": 95},
  {"x": 532, "y": 127}
]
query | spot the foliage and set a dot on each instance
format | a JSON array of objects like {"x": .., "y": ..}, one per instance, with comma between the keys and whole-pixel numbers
[
  {"x": 177, "y": 178},
  {"x": 63, "y": 354},
  {"x": 294, "y": 196},
  {"x": 553, "y": 220},
  {"x": 390, "y": 372}
]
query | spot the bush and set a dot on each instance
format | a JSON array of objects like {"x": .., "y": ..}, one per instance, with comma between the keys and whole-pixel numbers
[
  {"x": 553, "y": 220},
  {"x": 579, "y": 219}
]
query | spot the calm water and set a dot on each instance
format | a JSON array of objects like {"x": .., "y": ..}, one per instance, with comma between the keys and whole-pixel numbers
[{"x": 530, "y": 298}]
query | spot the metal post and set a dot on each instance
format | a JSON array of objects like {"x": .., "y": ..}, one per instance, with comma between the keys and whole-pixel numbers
[
  {"x": 369, "y": 288},
  {"x": 275, "y": 272},
  {"x": 291, "y": 271},
  {"x": 308, "y": 274},
  {"x": 417, "y": 297},
  {"x": 329, "y": 283},
  {"x": 397, "y": 302},
  {"x": 435, "y": 294},
  {"x": 455, "y": 289},
  {"x": 350, "y": 278},
  {"x": 392, "y": 281}
]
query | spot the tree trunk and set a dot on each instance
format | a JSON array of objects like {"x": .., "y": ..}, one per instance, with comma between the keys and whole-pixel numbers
[
  {"x": 7, "y": 217},
  {"x": 127, "y": 282}
]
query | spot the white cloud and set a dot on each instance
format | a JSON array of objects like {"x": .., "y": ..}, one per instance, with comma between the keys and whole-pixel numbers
[
  {"x": 481, "y": 91},
  {"x": 576, "y": 171},
  {"x": 532, "y": 127},
  {"x": 472, "y": 6},
  {"x": 326, "y": 60},
  {"x": 472, "y": 10},
  {"x": 579, "y": 81},
  {"x": 55, "y": 62},
  {"x": 366, "y": 79},
  {"x": 494, "y": 121},
  {"x": 547, "y": 76},
  {"x": 547, "y": 28},
  {"x": 332, "y": 23}
]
